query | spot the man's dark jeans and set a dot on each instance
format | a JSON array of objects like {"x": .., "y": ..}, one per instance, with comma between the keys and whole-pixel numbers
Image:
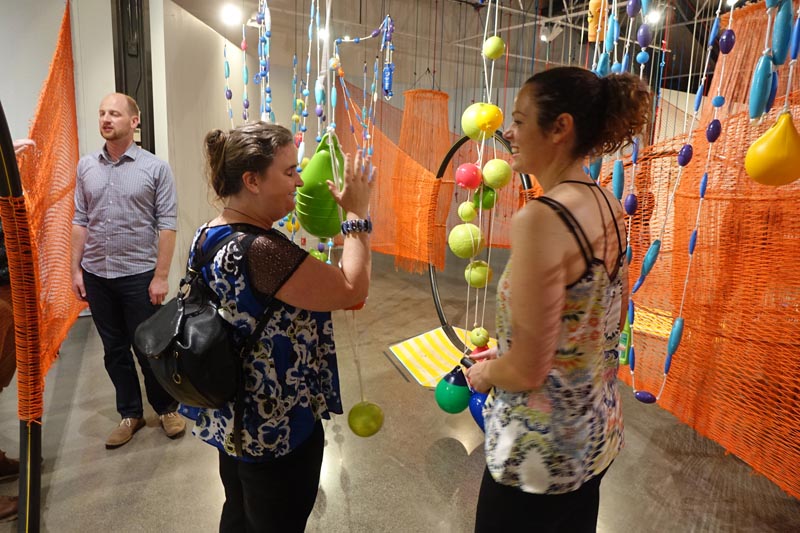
[{"x": 118, "y": 306}]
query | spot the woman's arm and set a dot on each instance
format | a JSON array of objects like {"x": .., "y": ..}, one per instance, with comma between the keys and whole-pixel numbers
[{"x": 539, "y": 243}]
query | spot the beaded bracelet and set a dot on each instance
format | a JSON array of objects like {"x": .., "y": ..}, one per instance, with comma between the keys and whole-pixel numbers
[{"x": 357, "y": 226}]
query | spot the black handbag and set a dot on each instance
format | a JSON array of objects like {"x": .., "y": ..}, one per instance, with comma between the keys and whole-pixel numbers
[{"x": 191, "y": 348}]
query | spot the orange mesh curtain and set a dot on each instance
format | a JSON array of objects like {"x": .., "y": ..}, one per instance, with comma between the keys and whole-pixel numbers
[
  {"x": 44, "y": 306},
  {"x": 736, "y": 376},
  {"x": 412, "y": 211},
  {"x": 750, "y": 26}
]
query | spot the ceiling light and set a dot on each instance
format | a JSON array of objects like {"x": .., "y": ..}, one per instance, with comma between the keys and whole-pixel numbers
[
  {"x": 549, "y": 33},
  {"x": 231, "y": 15},
  {"x": 654, "y": 17},
  {"x": 323, "y": 34},
  {"x": 732, "y": 3}
]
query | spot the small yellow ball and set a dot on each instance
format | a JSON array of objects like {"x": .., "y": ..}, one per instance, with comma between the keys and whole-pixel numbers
[
  {"x": 479, "y": 337},
  {"x": 494, "y": 47},
  {"x": 465, "y": 240},
  {"x": 467, "y": 212}
]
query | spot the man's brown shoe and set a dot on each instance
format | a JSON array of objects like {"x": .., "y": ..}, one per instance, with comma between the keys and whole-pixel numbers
[
  {"x": 173, "y": 424},
  {"x": 8, "y": 508},
  {"x": 9, "y": 468},
  {"x": 124, "y": 432}
]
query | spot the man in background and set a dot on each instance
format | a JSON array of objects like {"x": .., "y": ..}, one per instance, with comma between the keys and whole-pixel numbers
[{"x": 123, "y": 237}]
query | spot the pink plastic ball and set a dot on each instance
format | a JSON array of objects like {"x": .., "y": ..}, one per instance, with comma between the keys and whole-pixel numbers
[{"x": 468, "y": 176}]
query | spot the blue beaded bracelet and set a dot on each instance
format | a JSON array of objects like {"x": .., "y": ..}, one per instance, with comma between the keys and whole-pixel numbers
[{"x": 357, "y": 226}]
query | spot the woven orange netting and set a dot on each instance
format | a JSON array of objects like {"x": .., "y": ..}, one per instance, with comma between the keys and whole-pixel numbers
[
  {"x": 38, "y": 226},
  {"x": 413, "y": 211},
  {"x": 736, "y": 376}
]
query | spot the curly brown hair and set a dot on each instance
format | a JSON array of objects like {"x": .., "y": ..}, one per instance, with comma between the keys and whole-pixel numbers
[{"x": 608, "y": 112}]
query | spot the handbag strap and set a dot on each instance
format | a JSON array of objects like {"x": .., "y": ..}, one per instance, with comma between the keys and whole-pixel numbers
[
  {"x": 206, "y": 257},
  {"x": 247, "y": 346}
]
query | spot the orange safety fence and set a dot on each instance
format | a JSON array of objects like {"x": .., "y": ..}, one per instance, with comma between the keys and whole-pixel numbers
[
  {"x": 38, "y": 227},
  {"x": 412, "y": 211},
  {"x": 736, "y": 375}
]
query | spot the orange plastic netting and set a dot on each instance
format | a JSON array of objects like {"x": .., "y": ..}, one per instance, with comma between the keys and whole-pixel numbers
[
  {"x": 38, "y": 226},
  {"x": 412, "y": 210},
  {"x": 736, "y": 376}
]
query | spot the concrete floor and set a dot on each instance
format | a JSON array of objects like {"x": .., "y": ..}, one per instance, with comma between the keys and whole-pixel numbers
[{"x": 420, "y": 473}]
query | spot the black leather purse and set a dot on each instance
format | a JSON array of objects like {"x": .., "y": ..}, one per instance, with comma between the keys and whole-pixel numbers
[{"x": 191, "y": 348}]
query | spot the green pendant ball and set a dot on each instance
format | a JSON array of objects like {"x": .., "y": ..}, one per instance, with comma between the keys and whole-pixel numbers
[
  {"x": 365, "y": 419},
  {"x": 478, "y": 274}
]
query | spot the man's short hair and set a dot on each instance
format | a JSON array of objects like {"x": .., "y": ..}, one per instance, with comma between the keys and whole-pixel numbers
[{"x": 133, "y": 107}]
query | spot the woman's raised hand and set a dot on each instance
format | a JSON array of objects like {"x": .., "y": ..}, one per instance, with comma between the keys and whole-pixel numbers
[{"x": 358, "y": 179}]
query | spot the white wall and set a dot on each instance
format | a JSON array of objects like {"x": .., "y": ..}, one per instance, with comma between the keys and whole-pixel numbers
[
  {"x": 28, "y": 32},
  {"x": 189, "y": 101},
  {"x": 93, "y": 56}
]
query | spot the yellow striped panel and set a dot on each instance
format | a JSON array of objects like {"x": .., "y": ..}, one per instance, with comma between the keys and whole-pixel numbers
[{"x": 429, "y": 356}]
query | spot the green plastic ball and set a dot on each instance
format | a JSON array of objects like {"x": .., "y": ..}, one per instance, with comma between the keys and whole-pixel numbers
[
  {"x": 452, "y": 398},
  {"x": 494, "y": 47},
  {"x": 478, "y": 274},
  {"x": 467, "y": 212},
  {"x": 465, "y": 240},
  {"x": 479, "y": 337},
  {"x": 484, "y": 198},
  {"x": 497, "y": 173},
  {"x": 365, "y": 419},
  {"x": 318, "y": 255}
]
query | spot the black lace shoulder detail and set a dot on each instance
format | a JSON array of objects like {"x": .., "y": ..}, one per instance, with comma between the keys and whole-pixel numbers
[{"x": 272, "y": 259}]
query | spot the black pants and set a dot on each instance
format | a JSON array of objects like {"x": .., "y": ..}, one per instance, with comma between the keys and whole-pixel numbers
[
  {"x": 274, "y": 496},
  {"x": 118, "y": 306},
  {"x": 502, "y": 508}
]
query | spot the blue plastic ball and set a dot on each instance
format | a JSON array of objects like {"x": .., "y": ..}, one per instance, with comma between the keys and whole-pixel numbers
[{"x": 476, "y": 408}]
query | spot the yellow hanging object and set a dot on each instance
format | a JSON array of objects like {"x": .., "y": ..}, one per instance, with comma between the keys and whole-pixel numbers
[
  {"x": 774, "y": 159},
  {"x": 596, "y": 20}
]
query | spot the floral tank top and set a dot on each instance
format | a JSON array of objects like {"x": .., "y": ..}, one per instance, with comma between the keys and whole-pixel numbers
[{"x": 553, "y": 439}]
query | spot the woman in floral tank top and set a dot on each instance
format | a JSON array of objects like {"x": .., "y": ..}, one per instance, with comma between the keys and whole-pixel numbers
[{"x": 553, "y": 417}]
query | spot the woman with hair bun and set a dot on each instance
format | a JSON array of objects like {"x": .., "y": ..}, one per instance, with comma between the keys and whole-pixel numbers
[
  {"x": 553, "y": 417},
  {"x": 290, "y": 376}
]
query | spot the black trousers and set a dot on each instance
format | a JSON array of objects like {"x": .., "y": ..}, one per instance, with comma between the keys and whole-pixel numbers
[
  {"x": 118, "y": 306},
  {"x": 502, "y": 508},
  {"x": 274, "y": 496}
]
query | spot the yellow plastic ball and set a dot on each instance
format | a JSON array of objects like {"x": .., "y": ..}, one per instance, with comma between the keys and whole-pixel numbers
[
  {"x": 497, "y": 173},
  {"x": 494, "y": 47},
  {"x": 478, "y": 274},
  {"x": 304, "y": 162},
  {"x": 467, "y": 212},
  {"x": 299, "y": 105},
  {"x": 365, "y": 419},
  {"x": 479, "y": 337},
  {"x": 465, "y": 240},
  {"x": 489, "y": 118},
  {"x": 296, "y": 118}
]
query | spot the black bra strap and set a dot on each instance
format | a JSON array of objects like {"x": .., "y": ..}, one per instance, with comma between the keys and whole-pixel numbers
[
  {"x": 573, "y": 226},
  {"x": 611, "y": 210}
]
